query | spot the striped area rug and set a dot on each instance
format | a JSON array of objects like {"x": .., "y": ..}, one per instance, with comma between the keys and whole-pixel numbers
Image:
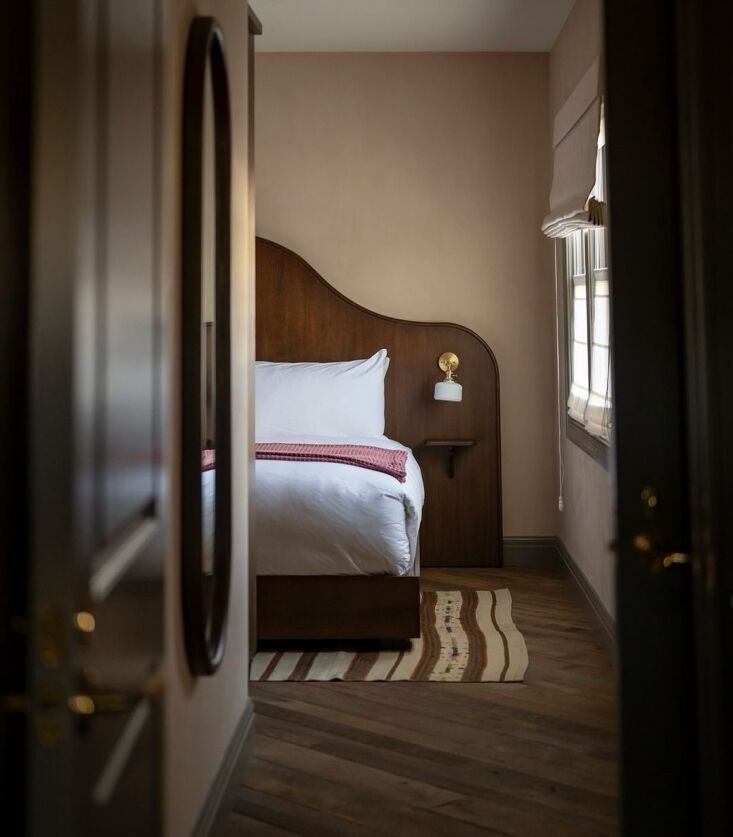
[{"x": 467, "y": 636}]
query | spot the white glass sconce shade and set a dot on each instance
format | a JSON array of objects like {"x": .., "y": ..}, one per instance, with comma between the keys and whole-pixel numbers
[{"x": 448, "y": 391}]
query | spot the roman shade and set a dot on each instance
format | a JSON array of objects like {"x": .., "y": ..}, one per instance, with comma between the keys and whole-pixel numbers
[{"x": 576, "y": 199}]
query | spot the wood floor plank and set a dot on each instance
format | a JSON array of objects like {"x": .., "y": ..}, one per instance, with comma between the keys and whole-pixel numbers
[
  {"x": 343, "y": 771},
  {"x": 429, "y": 752},
  {"x": 289, "y": 816},
  {"x": 519, "y": 821},
  {"x": 499, "y": 750},
  {"x": 357, "y": 808},
  {"x": 519, "y": 721},
  {"x": 243, "y": 824},
  {"x": 532, "y": 759},
  {"x": 472, "y": 778}
]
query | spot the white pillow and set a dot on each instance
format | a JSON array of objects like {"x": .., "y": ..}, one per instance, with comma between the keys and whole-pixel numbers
[{"x": 326, "y": 399}]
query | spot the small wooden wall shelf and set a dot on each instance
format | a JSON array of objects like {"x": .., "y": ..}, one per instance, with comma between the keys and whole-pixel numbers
[{"x": 451, "y": 444}]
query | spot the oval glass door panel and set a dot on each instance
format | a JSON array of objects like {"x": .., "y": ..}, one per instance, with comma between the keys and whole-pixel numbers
[
  {"x": 205, "y": 351},
  {"x": 208, "y": 346}
]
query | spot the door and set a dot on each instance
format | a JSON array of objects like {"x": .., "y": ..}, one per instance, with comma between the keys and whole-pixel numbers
[
  {"x": 669, "y": 81},
  {"x": 705, "y": 87},
  {"x": 95, "y": 574}
]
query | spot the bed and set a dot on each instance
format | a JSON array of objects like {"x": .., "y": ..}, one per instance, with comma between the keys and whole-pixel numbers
[
  {"x": 325, "y": 529},
  {"x": 341, "y": 519},
  {"x": 337, "y": 548}
]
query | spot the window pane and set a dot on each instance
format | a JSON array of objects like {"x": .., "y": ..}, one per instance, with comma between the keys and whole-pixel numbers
[
  {"x": 580, "y": 365},
  {"x": 577, "y": 285},
  {"x": 600, "y": 283},
  {"x": 600, "y": 256},
  {"x": 601, "y": 321},
  {"x": 580, "y": 322},
  {"x": 597, "y": 416},
  {"x": 599, "y": 371}
]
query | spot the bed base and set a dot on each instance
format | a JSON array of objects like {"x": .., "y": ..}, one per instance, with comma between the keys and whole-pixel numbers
[{"x": 337, "y": 607}]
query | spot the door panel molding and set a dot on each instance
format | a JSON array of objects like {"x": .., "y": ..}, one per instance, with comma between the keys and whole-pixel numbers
[{"x": 117, "y": 559}]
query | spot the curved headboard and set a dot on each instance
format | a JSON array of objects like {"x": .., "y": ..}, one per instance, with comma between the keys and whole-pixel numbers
[{"x": 300, "y": 317}]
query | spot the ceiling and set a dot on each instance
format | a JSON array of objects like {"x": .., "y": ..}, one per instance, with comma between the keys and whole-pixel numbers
[{"x": 410, "y": 25}]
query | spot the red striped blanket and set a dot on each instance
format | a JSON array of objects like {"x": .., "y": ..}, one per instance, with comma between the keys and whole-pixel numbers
[{"x": 386, "y": 460}]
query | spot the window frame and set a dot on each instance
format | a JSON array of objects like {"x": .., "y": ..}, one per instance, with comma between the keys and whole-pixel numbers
[{"x": 594, "y": 446}]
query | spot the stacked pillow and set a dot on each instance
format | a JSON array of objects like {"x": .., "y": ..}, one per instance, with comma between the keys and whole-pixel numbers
[{"x": 321, "y": 399}]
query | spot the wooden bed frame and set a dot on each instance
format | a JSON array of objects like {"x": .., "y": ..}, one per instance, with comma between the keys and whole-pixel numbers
[
  {"x": 338, "y": 607},
  {"x": 300, "y": 317}
]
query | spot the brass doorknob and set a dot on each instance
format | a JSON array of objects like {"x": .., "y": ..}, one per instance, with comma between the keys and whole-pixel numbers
[
  {"x": 659, "y": 559},
  {"x": 675, "y": 558}
]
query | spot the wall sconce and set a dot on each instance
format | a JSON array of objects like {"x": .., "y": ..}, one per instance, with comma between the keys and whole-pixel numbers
[{"x": 448, "y": 389}]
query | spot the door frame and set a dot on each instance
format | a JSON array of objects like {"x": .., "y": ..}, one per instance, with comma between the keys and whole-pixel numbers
[{"x": 16, "y": 26}]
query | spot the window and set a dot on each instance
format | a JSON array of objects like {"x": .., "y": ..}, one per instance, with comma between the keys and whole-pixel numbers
[{"x": 588, "y": 328}]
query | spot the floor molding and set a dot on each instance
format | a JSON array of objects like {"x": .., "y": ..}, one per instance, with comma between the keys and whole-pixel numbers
[
  {"x": 549, "y": 552},
  {"x": 537, "y": 552},
  {"x": 601, "y": 617},
  {"x": 238, "y": 752}
]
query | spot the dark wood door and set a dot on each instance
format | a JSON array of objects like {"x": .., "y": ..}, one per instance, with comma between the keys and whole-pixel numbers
[
  {"x": 16, "y": 34},
  {"x": 705, "y": 89},
  {"x": 669, "y": 85},
  {"x": 95, "y": 488}
]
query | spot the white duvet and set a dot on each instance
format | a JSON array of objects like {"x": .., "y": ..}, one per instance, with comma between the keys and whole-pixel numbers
[{"x": 323, "y": 518}]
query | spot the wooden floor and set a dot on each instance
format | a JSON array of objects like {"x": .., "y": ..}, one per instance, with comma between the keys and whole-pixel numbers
[{"x": 533, "y": 758}]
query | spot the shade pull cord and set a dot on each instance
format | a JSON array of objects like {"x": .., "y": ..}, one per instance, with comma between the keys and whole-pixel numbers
[{"x": 560, "y": 458}]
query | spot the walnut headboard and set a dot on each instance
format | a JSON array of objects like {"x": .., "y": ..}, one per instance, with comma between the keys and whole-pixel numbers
[{"x": 300, "y": 317}]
